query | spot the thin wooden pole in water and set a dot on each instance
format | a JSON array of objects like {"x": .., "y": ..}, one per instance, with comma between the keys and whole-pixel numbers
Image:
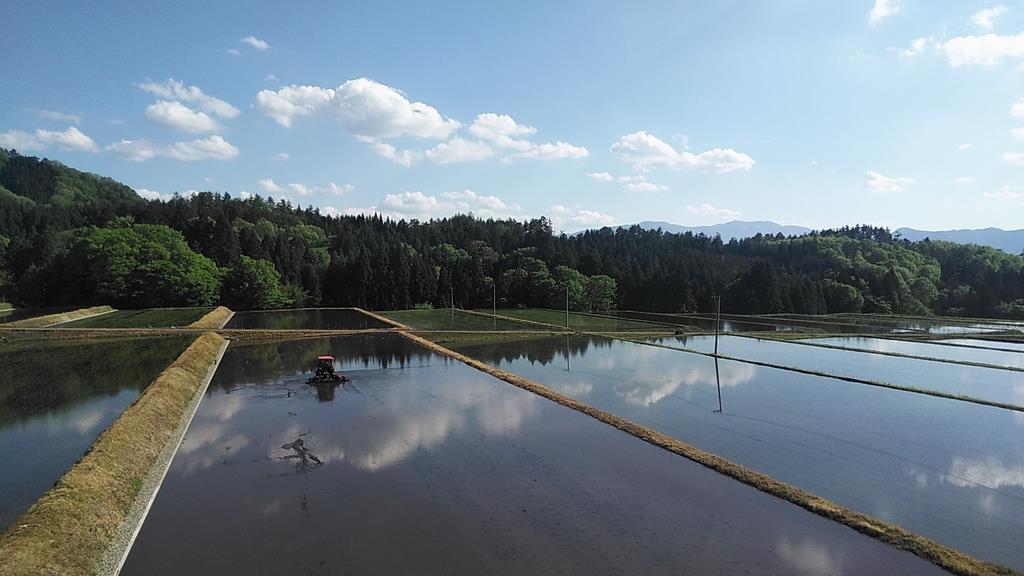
[{"x": 718, "y": 320}]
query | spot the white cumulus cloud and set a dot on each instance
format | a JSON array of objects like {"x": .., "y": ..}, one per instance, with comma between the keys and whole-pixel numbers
[
  {"x": 713, "y": 211},
  {"x": 576, "y": 217},
  {"x": 401, "y": 157},
  {"x": 503, "y": 131},
  {"x": 212, "y": 148},
  {"x": 984, "y": 50},
  {"x": 639, "y": 183},
  {"x": 176, "y": 115},
  {"x": 883, "y": 9},
  {"x": 553, "y": 151},
  {"x": 1014, "y": 158},
  {"x": 986, "y": 17},
  {"x": 458, "y": 150},
  {"x": 256, "y": 43},
  {"x": 647, "y": 151},
  {"x": 270, "y": 186},
  {"x": 175, "y": 90},
  {"x": 600, "y": 176},
  {"x": 365, "y": 107},
  {"x": 877, "y": 182},
  {"x": 291, "y": 102},
  {"x": 71, "y": 139},
  {"x": 59, "y": 116},
  {"x": 919, "y": 46}
]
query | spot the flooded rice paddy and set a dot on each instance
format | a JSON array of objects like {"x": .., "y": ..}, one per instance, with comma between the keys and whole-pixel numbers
[
  {"x": 928, "y": 348},
  {"x": 56, "y": 398},
  {"x": 990, "y": 384},
  {"x": 949, "y": 470},
  {"x": 424, "y": 465},
  {"x": 305, "y": 319},
  {"x": 146, "y": 318}
]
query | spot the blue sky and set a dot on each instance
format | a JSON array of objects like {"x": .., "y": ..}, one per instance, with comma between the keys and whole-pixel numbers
[{"x": 898, "y": 113}]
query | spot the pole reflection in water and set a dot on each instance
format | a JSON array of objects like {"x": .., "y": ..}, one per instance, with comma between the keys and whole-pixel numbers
[
  {"x": 566, "y": 352},
  {"x": 718, "y": 384}
]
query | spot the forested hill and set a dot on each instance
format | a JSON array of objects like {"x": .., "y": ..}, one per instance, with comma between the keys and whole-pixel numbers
[{"x": 68, "y": 237}]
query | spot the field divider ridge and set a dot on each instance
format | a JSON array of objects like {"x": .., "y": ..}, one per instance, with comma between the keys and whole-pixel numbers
[
  {"x": 214, "y": 319},
  {"x": 852, "y": 379},
  {"x": 946, "y": 557},
  {"x": 52, "y": 320}
]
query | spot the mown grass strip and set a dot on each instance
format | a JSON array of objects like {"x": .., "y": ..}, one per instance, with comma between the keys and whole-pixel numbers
[
  {"x": 216, "y": 318},
  {"x": 876, "y": 383},
  {"x": 512, "y": 319},
  {"x": 948, "y": 558},
  {"x": 55, "y": 319},
  {"x": 69, "y": 529},
  {"x": 882, "y": 352}
]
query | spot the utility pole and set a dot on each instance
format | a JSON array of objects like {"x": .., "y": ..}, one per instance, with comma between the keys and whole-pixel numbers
[
  {"x": 451, "y": 301},
  {"x": 567, "y": 305},
  {"x": 718, "y": 320},
  {"x": 494, "y": 303}
]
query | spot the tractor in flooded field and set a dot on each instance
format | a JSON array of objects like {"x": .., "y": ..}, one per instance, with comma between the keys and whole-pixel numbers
[{"x": 324, "y": 372}]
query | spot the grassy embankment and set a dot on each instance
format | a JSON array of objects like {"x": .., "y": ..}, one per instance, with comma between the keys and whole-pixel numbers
[
  {"x": 69, "y": 530},
  {"x": 51, "y": 319},
  {"x": 215, "y": 318},
  {"x": 6, "y": 306},
  {"x": 953, "y": 560}
]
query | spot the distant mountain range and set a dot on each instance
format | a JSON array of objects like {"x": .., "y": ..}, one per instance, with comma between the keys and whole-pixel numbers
[
  {"x": 1011, "y": 241},
  {"x": 727, "y": 230}
]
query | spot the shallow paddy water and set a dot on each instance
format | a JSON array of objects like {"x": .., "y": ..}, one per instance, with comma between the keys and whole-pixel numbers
[
  {"x": 990, "y": 384},
  {"x": 305, "y": 319},
  {"x": 950, "y": 470},
  {"x": 931, "y": 349},
  {"x": 56, "y": 398},
  {"x": 424, "y": 465}
]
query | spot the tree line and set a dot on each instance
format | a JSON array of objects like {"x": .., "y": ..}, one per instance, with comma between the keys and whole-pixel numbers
[{"x": 68, "y": 237}]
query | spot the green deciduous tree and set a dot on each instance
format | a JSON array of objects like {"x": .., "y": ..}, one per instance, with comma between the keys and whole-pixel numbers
[{"x": 253, "y": 285}]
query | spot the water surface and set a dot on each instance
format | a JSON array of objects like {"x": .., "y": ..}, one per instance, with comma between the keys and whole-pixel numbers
[
  {"x": 927, "y": 349},
  {"x": 422, "y": 465},
  {"x": 979, "y": 382},
  {"x": 946, "y": 469},
  {"x": 57, "y": 397},
  {"x": 305, "y": 319}
]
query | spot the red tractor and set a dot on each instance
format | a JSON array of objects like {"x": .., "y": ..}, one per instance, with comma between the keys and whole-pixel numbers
[{"x": 325, "y": 372}]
